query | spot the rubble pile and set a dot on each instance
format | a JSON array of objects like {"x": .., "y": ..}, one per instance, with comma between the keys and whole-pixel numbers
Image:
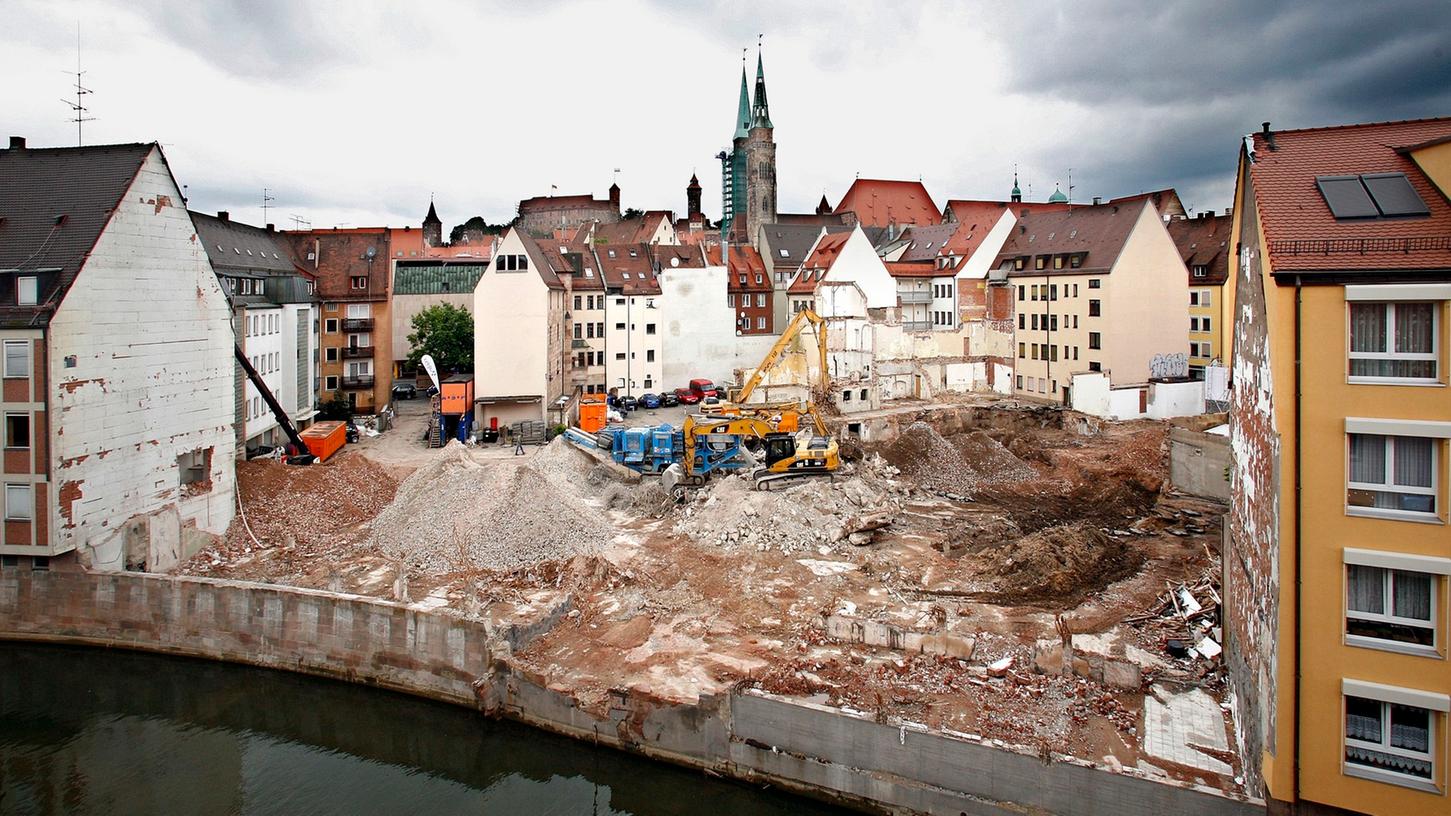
[
  {"x": 955, "y": 468},
  {"x": 847, "y": 508},
  {"x": 456, "y": 514},
  {"x": 314, "y": 507},
  {"x": 1061, "y": 564}
]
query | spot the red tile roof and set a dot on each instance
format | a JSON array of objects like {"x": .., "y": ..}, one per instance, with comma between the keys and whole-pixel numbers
[
  {"x": 677, "y": 257},
  {"x": 569, "y": 260},
  {"x": 880, "y": 202},
  {"x": 916, "y": 269},
  {"x": 561, "y": 202},
  {"x": 1203, "y": 241},
  {"x": 627, "y": 268},
  {"x": 823, "y": 255},
  {"x": 1299, "y": 228}
]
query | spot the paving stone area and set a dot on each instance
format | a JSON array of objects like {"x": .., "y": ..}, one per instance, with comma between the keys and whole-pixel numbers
[{"x": 1174, "y": 723}]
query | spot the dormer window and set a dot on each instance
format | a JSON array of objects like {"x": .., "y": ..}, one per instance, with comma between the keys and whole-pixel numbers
[
  {"x": 27, "y": 290},
  {"x": 1200, "y": 271}
]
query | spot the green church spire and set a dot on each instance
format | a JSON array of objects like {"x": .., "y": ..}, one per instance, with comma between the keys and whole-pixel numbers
[
  {"x": 743, "y": 113},
  {"x": 762, "y": 111}
]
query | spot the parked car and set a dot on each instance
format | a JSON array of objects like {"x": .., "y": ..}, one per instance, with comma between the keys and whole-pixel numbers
[
  {"x": 629, "y": 403},
  {"x": 686, "y": 396},
  {"x": 711, "y": 400},
  {"x": 704, "y": 388},
  {"x": 669, "y": 400},
  {"x": 405, "y": 391},
  {"x": 650, "y": 401}
]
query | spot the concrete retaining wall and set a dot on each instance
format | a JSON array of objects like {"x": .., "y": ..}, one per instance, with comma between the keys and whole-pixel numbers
[
  {"x": 754, "y": 737},
  {"x": 1198, "y": 463}
]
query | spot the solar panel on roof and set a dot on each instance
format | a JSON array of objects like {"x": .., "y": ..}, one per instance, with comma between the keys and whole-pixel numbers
[
  {"x": 1346, "y": 197},
  {"x": 1394, "y": 195}
]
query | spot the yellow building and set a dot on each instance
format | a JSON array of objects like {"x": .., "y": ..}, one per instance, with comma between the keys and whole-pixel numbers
[
  {"x": 1203, "y": 243},
  {"x": 1338, "y": 550},
  {"x": 1095, "y": 288}
]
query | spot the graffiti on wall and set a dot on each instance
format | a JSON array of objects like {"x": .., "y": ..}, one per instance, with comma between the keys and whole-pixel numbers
[{"x": 1168, "y": 366}]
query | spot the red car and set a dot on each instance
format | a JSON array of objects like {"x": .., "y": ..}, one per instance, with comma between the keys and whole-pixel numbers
[{"x": 686, "y": 396}]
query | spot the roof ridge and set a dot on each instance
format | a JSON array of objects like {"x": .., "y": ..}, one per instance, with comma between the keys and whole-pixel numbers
[{"x": 1361, "y": 125}]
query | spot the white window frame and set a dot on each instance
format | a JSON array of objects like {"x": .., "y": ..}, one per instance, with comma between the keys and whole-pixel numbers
[
  {"x": 27, "y": 290},
  {"x": 1394, "y": 564},
  {"x": 1431, "y": 702},
  {"x": 27, "y": 511},
  {"x": 1390, "y": 323},
  {"x": 1390, "y": 429},
  {"x": 23, "y": 345}
]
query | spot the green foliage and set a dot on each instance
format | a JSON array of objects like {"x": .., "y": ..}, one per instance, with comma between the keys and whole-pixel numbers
[
  {"x": 474, "y": 230},
  {"x": 632, "y": 213},
  {"x": 446, "y": 332},
  {"x": 555, "y": 430},
  {"x": 335, "y": 408}
]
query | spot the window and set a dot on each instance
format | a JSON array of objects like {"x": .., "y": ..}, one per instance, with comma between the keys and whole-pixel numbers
[
  {"x": 1020, "y": 292},
  {"x": 1095, "y": 340},
  {"x": 26, "y": 290},
  {"x": 330, "y": 355},
  {"x": 846, "y": 396},
  {"x": 1040, "y": 261},
  {"x": 330, "y": 325},
  {"x": 579, "y": 331},
  {"x": 18, "y": 506},
  {"x": 1053, "y": 323},
  {"x": 360, "y": 281},
  {"x": 1075, "y": 287},
  {"x": 600, "y": 330},
  {"x": 1075, "y": 261},
  {"x": 1057, "y": 261},
  {"x": 1022, "y": 319},
  {"x": 1095, "y": 309},
  {"x": 1200, "y": 271},
  {"x": 1194, "y": 298},
  {"x": 760, "y": 322},
  {"x": 1204, "y": 297},
  {"x": 1053, "y": 292},
  {"x": 1034, "y": 351},
  {"x": 1092, "y": 366},
  {"x": 619, "y": 301},
  {"x": 761, "y": 299},
  {"x": 17, "y": 431},
  {"x": 1020, "y": 382},
  {"x": 619, "y": 355},
  {"x": 1392, "y": 473},
  {"x": 577, "y": 302},
  {"x": 1389, "y": 606},
  {"x": 331, "y": 384},
  {"x": 649, "y": 356},
  {"x": 1035, "y": 292},
  {"x": 1035, "y": 322},
  {"x": 1053, "y": 354},
  {"x": 649, "y": 328},
  {"x": 1075, "y": 321},
  {"x": 1022, "y": 351},
  {"x": 1389, "y": 742},
  {"x": 1095, "y": 283},
  {"x": 194, "y": 466},
  {"x": 619, "y": 327},
  {"x": 1393, "y": 340},
  {"x": 17, "y": 358},
  {"x": 758, "y": 277},
  {"x": 731, "y": 301}
]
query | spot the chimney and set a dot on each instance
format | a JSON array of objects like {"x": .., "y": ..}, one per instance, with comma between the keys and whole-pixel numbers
[
  {"x": 17, "y": 142},
  {"x": 223, "y": 215},
  {"x": 1269, "y": 137},
  {"x": 271, "y": 227},
  {"x": 1097, "y": 200}
]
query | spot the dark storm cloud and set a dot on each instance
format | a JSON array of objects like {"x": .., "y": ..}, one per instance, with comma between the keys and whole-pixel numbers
[{"x": 1203, "y": 74}]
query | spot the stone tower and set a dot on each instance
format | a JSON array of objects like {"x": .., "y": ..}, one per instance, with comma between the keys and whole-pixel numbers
[
  {"x": 760, "y": 148},
  {"x": 432, "y": 227},
  {"x": 692, "y": 197}
]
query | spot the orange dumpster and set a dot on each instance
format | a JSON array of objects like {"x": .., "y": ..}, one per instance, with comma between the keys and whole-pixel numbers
[
  {"x": 592, "y": 413},
  {"x": 325, "y": 439}
]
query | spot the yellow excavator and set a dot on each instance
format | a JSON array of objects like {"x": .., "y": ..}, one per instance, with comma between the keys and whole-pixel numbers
[
  {"x": 720, "y": 443},
  {"x": 784, "y": 416}
]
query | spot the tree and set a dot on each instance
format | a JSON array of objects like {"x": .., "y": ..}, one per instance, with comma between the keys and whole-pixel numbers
[
  {"x": 446, "y": 332},
  {"x": 335, "y": 408},
  {"x": 473, "y": 230},
  {"x": 632, "y": 213}
]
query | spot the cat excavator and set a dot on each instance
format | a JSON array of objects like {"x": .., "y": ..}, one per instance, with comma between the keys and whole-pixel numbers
[
  {"x": 713, "y": 443},
  {"x": 785, "y": 416}
]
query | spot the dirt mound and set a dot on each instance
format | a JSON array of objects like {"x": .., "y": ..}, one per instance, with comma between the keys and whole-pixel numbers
[
  {"x": 801, "y": 517},
  {"x": 456, "y": 514},
  {"x": 1062, "y": 564},
  {"x": 991, "y": 463},
  {"x": 317, "y": 506}
]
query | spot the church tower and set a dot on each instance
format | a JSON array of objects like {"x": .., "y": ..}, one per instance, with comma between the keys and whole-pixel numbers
[
  {"x": 760, "y": 161},
  {"x": 692, "y": 198},
  {"x": 432, "y": 227}
]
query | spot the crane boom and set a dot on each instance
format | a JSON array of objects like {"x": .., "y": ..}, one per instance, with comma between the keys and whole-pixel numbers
[
  {"x": 272, "y": 403},
  {"x": 798, "y": 323}
]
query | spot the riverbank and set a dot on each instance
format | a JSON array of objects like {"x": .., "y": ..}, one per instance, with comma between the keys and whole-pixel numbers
[{"x": 834, "y": 754}]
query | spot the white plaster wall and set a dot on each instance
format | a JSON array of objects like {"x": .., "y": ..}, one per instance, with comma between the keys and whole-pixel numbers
[
  {"x": 1176, "y": 399},
  {"x": 150, "y": 330},
  {"x": 511, "y": 331},
  {"x": 299, "y": 404},
  {"x": 1091, "y": 394},
  {"x": 858, "y": 263},
  {"x": 1123, "y": 403},
  {"x": 943, "y": 304},
  {"x": 1002, "y": 379},
  {"x": 976, "y": 266},
  {"x": 699, "y": 329},
  {"x": 637, "y": 374}
]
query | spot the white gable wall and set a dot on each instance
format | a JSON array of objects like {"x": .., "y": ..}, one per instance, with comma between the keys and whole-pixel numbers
[
  {"x": 858, "y": 263},
  {"x": 511, "y": 329},
  {"x": 150, "y": 333}
]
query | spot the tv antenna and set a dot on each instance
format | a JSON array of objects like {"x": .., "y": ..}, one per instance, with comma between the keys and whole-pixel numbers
[
  {"x": 1070, "y": 188},
  {"x": 266, "y": 201},
  {"x": 616, "y": 178},
  {"x": 78, "y": 107},
  {"x": 299, "y": 223}
]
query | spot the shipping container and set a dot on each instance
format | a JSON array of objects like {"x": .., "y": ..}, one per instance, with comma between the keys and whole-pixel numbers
[
  {"x": 457, "y": 395},
  {"x": 325, "y": 439}
]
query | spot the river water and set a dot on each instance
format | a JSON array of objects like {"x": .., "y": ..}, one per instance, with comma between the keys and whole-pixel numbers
[{"x": 88, "y": 731}]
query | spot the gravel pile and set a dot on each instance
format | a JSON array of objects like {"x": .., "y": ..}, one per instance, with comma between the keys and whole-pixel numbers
[
  {"x": 457, "y": 514},
  {"x": 954, "y": 468},
  {"x": 799, "y": 518}
]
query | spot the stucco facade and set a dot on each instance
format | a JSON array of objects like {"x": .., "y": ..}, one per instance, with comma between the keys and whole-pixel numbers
[{"x": 518, "y": 334}]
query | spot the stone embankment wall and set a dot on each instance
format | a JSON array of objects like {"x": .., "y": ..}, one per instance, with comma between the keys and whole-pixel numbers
[
  {"x": 1199, "y": 463},
  {"x": 747, "y": 735}
]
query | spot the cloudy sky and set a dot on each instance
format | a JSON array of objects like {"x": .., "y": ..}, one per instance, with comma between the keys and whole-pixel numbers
[{"x": 355, "y": 113}]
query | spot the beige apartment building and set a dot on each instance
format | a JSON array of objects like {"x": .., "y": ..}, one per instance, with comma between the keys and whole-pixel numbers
[{"x": 1095, "y": 288}]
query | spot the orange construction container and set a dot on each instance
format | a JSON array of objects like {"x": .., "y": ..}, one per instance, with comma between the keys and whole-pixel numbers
[
  {"x": 456, "y": 394},
  {"x": 592, "y": 413},
  {"x": 325, "y": 439}
]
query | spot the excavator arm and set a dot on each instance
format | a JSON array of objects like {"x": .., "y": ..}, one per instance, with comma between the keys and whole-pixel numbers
[{"x": 779, "y": 347}]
